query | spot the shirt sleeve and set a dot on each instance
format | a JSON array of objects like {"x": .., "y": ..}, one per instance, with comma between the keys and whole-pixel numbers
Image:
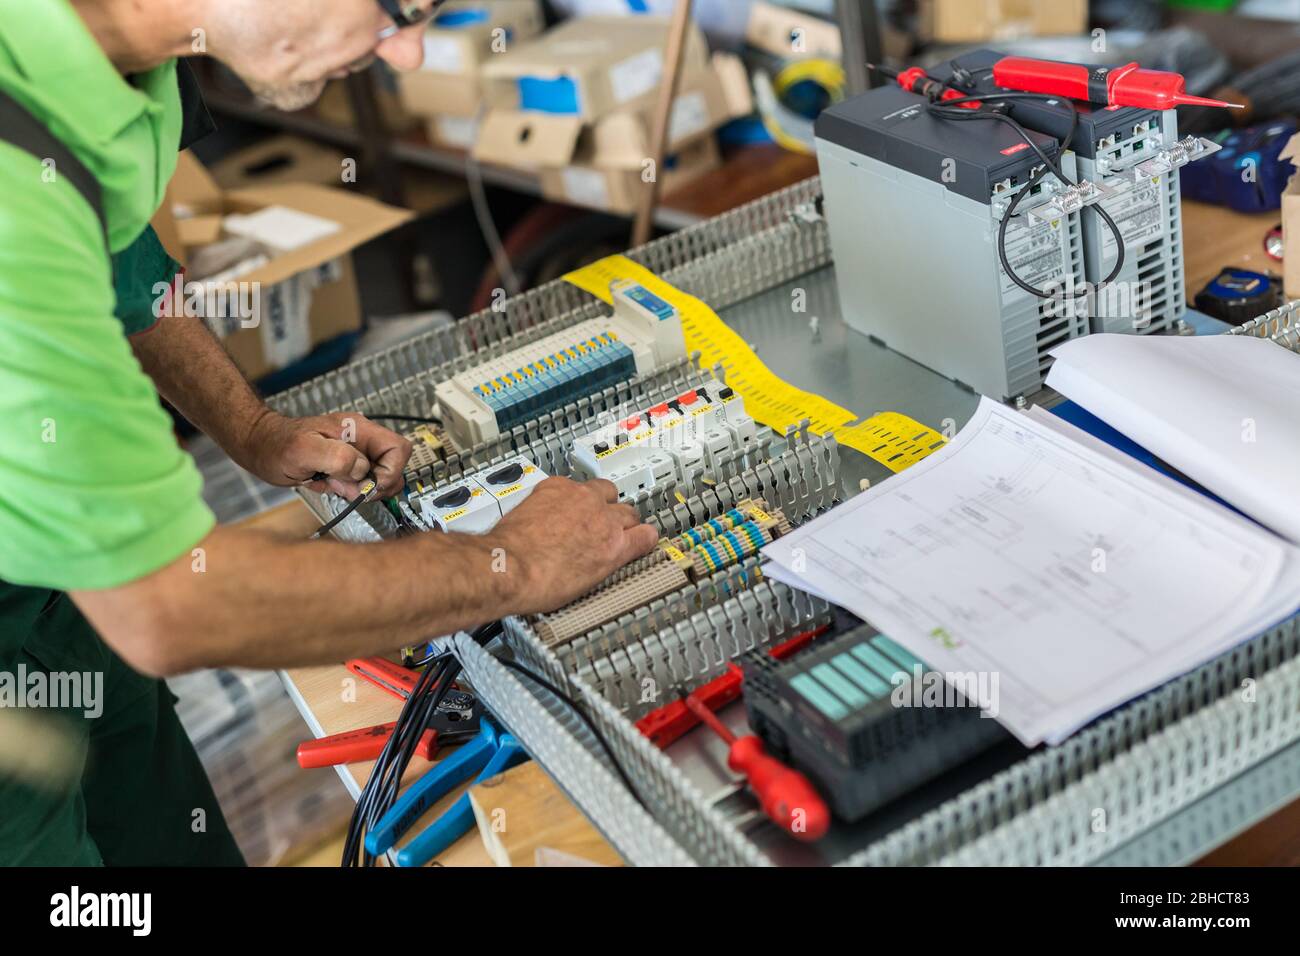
[
  {"x": 94, "y": 490},
  {"x": 137, "y": 272}
]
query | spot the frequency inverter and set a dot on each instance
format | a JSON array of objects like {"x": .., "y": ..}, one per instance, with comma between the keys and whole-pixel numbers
[
  {"x": 1134, "y": 155},
  {"x": 914, "y": 204}
]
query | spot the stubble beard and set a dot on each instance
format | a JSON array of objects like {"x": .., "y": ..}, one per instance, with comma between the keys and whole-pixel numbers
[{"x": 290, "y": 98}]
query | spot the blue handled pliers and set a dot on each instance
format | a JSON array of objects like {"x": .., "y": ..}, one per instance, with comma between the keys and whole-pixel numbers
[{"x": 487, "y": 755}]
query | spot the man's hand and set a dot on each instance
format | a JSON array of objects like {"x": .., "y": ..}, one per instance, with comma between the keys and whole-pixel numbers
[
  {"x": 345, "y": 446},
  {"x": 565, "y": 539}
]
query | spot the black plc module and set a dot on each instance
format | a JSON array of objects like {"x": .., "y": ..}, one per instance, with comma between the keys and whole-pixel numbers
[{"x": 852, "y": 715}]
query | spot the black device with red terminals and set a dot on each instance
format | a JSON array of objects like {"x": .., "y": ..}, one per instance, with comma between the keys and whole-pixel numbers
[{"x": 1127, "y": 85}]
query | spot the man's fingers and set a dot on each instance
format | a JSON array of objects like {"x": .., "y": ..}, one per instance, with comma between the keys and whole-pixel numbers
[
  {"x": 604, "y": 488},
  {"x": 336, "y": 459},
  {"x": 628, "y": 515},
  {"x": 347, "y": 490},
  {"x": 638, "y": 542},
  {"x": 389, "y": 469},
  {"x": 388, "y": 451}
]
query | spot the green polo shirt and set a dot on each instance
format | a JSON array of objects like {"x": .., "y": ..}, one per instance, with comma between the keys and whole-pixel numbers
[{"x": 94, "y": 490}]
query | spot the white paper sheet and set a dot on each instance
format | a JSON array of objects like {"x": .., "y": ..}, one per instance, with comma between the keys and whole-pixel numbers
[
  {"x": 1222, "y": 409},
  {"x": 1080, "y": 580}
]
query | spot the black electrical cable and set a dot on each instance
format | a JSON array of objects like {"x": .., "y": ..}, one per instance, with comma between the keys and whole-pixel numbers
[
  {"x": 577, "y": 708},
  {"x": 363, "y": 814},
  {"x": 342, "y": 516},
  {"x": 384, "y": 783},
  {"x": 382, "y": 787},
  {"x": 951, "y": 110},
  {"x": 413, "y": 419}
]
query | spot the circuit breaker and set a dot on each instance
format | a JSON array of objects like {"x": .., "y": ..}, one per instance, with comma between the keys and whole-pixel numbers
[
  {"x": 678, "y": 439},
  {"x": 475, "y": 503}
]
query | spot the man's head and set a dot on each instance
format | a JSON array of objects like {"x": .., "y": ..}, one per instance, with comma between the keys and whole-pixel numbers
[{"x": 286, "y": 50}]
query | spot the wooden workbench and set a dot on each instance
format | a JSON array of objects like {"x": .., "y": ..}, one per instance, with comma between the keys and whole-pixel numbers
[{"x": 1214, "y": 238}]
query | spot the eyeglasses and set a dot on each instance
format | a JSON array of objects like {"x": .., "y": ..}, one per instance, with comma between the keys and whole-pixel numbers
[{"x": 406, "y": 13}]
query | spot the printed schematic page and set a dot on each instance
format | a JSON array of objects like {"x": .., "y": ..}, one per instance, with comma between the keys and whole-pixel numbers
[{"x": 1078, "y": 580}]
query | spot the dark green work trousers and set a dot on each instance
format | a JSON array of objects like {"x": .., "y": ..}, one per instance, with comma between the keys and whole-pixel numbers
[{"x": 140, "y": 796}]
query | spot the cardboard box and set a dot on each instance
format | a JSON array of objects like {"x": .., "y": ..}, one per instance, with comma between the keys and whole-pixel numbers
[
  {"x": 792, "y": 34},
  {"x": 1291, "y": 221},
  {"x": 304, "y": 296},
  {"x": 583, "y": 183},
  {"x": 456, "y": 45},
  {"x": 586, "y": 68},
  {"x": 278, "y": 160},
  {"x": 706, "y": 99},
  {"x": 974, "y": 21},
  {"x": 453, "y": 132}
]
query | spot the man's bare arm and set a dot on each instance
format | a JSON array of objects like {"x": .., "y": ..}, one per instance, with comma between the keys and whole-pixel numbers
[
  {"x": 191, "y": 370},
  {"x": 266, "y": 602}
]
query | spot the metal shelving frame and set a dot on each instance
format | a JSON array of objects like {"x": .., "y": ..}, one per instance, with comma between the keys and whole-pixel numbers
[{"x": 1147, "y": 772}]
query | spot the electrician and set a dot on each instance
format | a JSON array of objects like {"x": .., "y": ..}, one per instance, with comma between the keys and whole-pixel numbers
[{"x": 101, "y": 517}]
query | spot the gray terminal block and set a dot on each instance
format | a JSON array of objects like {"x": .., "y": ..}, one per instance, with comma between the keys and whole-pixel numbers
[{"x": 914, "y": 203}]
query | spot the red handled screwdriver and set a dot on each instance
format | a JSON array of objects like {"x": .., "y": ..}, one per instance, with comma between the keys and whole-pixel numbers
[
  {"x": 669, "y": 723},
  {"x": 786, "y": 796},
  {"x": 1127, "y": 85}
]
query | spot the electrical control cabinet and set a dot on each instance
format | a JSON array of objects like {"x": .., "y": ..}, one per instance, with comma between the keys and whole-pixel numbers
[
  {"x": 914, "y": 204},
  {"x": 643, "y": 335},
  {"x": 678, "y": 439}
]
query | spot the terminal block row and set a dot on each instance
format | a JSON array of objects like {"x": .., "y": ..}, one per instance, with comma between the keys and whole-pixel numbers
[
  {"x": 676, "y": 564},
  {"x": 657, "y": 667}
]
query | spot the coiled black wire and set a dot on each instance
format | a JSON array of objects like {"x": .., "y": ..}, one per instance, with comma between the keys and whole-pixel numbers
[
  {"x": 384, "y": 784},
  {"x": 951, "y": 110}
]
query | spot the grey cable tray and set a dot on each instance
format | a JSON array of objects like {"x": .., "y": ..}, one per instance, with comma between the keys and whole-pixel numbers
[
  {"x": 1174, "y": 748},
  {"x": 1280, "y": 325}
]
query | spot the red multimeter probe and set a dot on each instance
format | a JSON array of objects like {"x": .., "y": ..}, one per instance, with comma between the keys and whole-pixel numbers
[{"x": 1127, "y": 85}]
